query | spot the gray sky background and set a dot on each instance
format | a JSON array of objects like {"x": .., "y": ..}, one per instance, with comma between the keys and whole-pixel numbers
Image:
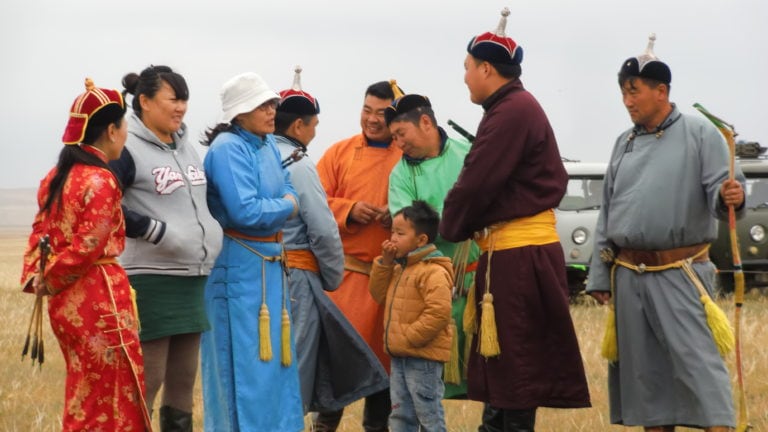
[{"x": 573, "y": 50}]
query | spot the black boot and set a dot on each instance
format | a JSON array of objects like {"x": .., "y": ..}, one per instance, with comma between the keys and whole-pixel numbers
[
  {"x": 493, "y": 419},
  {"x": 376, "y": 412},
  {"x": 175, "y": 420},
  {"x": 327, "y": 421},
  {"x": 519, "y": 420}
]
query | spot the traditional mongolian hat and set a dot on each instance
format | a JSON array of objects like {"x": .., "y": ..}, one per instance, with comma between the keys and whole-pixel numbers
[
  {"x": 495, "y": 46},
  {"x": 297, "y": 101},
  {"x": 647, "y": 65},
  {"x": 404, "y": 105},
  {"x": 97, "y": 106}
]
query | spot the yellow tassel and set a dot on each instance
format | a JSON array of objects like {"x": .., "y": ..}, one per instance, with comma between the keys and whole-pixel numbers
[
  {"x": 721, "y": 328},
  {"x": 285, "y": 339},
  {"x": 265, "y": 343},
  {"x": 470, "y": 313},
  {"x": 610, "y": 349},
  {"x": 489, "y": 338},
  {"x": 135, "y": 309},
  {"x": 452, "y": 372},
  {"x": 468, "y": 337}
]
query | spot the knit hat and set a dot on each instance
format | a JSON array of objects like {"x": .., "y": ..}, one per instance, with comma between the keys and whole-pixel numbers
[
  {"x": 244, "y": 93},
  {"x": 107, "y": 103},
  {"x": 496, "y": 47},
  {"x": 647, "y": 65},
  {"x": 297, "y": 101},
  {"x": 404, "y": 105}
]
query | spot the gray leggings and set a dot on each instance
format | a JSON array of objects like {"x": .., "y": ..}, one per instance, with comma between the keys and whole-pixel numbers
[{"x": 171, "y": 362}]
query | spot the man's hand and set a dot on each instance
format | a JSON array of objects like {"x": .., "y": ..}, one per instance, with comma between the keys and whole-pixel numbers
[
  {"x": 388, "y": 252},
  {"x": 602, "y": 297},
  {"x": 732, "y": 193},
  {"x": 385, "y": 218},
  {"x": 295, "y": 210},
  {"x": 364, "y": 213}
]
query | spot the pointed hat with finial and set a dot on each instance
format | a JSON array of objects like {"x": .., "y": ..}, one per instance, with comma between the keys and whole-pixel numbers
[
  {"x": 647, "y": 65},
  {"x": 89, "y": 109},
  {"x": 296, "y": 101},
  {"x": 496, "y": 47}
]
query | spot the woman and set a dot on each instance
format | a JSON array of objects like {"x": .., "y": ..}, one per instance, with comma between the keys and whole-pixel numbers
[
  {"x": 90, "y": 306},
  {"x": 250, "y": 378},
  {"x": 173, "y": 240}
]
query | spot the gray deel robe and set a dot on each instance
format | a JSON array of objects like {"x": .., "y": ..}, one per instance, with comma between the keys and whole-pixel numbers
[
  {"x": 336, "y": 366},
  {"x": 663, "y": 193}
]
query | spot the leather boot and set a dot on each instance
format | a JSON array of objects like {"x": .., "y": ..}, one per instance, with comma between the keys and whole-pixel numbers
[
  {"x": 519, "y": 420},
  {"x": 175, "y": 420},
  {"x": 493, "y": 419},
  {"x": 326, "y": 421},
  {"x": 376, "y": 411}
]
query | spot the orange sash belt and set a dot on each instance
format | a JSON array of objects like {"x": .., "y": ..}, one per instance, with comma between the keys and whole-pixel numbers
[
  {"x": 106, "y": 260},
  {"x": 355, "y": 265},
  {"x": 274, "y": 238},
  {"x": 302, "y": 259}
]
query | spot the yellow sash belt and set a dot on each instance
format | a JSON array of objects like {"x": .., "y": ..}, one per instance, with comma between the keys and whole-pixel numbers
[{"x": 535, "y": 230}]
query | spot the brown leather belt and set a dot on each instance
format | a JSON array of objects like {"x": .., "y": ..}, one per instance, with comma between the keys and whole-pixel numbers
[
  {"x": 664, "y": 257},
  {"x": 274, "y": 238}
]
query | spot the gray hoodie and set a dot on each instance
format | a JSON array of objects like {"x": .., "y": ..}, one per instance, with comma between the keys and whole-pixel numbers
[{"x": 170, "y": 230}]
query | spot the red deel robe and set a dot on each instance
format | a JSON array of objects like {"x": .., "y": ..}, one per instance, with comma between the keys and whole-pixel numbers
[
  {"x": 353, "y": 171},
  {"x": 91, "y": 311}
]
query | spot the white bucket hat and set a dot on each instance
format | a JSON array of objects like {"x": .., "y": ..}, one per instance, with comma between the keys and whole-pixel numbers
[{"x": 242, "y": 94}]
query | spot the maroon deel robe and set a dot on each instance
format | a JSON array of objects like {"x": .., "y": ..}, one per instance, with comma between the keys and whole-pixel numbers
[{"x": 514, "y": 170}]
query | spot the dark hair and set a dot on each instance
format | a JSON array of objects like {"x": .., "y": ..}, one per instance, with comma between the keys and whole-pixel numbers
[
  {"x": 424, "y": 218},
  {"x": 414, "y": 115},
  {"x": 508, "y": 71},
  {"x": 284, "y": 120},
  {"x": 381, "y": 90},
  {"x": 211, "y": 133},
  {"x": 652, "y": 83},
  {"x": 72, "y": 155},
  {"x": 149, "y": 82}
]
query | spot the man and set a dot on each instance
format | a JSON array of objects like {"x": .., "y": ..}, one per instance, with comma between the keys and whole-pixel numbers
[
  {"x": 335, "y": 363},
  {"x": 354, "y": 174},
  {"x": 666, "y": 180},
  {"x": 511, "y": 180},
  {"x": 428, "y": 169}
]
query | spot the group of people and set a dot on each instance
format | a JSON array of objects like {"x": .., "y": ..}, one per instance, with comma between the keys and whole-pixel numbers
[{"x": 405, "y": 268}]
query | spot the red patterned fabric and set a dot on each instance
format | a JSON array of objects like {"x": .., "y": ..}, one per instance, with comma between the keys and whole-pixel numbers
[{"x": 91, "y": 312}]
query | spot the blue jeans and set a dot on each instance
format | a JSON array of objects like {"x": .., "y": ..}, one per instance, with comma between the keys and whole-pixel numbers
[{"x": 416, "y": 388}]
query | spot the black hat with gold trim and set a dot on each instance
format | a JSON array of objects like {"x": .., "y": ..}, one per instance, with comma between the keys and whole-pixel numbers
[{"x": 403, "y": 103}]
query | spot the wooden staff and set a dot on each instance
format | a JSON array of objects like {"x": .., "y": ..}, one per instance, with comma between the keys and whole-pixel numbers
[{"x": 729, "y": 133}]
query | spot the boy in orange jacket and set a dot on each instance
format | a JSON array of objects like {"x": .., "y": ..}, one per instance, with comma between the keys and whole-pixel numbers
[{"x": 415, "y": 280}]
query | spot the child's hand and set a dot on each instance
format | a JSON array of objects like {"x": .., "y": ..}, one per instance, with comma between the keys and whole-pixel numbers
[{"x": 388, "y": 252}]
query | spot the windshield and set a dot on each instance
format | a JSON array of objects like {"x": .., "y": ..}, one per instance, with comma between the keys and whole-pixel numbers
[
  {"x": 584, "y": 193},
  {"x": 757, "y": 193}
]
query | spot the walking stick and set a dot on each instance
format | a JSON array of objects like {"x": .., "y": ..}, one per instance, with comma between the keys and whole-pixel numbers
[
  {"x": 37, "y": 351},
  {"x": 729, "y": 133}
]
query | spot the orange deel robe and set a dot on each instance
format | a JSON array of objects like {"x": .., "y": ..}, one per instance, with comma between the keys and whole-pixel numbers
[
  {"x": 91, "y": 311},
  {"x": 353, "y": 171}
]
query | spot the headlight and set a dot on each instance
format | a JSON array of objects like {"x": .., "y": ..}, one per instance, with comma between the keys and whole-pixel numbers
[
  {"x": 757, "y": 233},
  {"x": 579, "y": 236}
]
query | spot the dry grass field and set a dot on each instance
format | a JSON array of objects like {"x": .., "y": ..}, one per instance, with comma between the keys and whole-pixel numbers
[{"x": 31, "y": 398}]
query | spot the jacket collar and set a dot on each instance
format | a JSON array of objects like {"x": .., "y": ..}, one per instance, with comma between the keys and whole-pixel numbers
[
  {"x": 137, "y": 128},
  {"x": 250, "y": 138},
  {"x": 420, "y": 254},
  {"x": 511, "y": 86}
]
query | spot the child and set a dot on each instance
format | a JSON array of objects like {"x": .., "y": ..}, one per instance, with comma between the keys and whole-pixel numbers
[{"x": 416, "y": 280}]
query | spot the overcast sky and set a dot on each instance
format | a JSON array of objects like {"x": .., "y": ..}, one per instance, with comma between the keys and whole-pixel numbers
[{"x": 573, "y": 50}]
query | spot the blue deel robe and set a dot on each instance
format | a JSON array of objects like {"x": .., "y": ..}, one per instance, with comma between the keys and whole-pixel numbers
[{"x": 246, "y": 185}]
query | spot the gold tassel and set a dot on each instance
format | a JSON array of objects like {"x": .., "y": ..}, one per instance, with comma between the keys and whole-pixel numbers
[
  {"x": 285, "y": 339},
  {"x": 265, "y": 343},
  {"x": 135, "y": 308},
  {"x": 470, "y": 312},
  {"x": 489, "y": 338},
  {"x": 468, "y": 337},
  {"x": 610, "y": 348},
  {"x": 452, "y": 372},
  {"x": 718, "y": 323}
]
